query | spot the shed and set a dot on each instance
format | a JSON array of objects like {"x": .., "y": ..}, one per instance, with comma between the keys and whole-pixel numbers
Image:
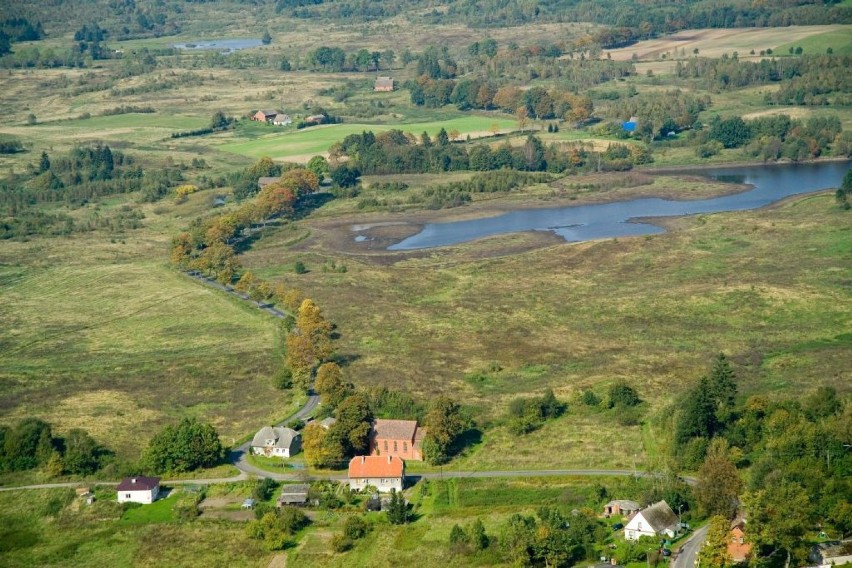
[
  {"x": 383, "y": 84},
  {"x": 293, "y": 495},
  {"x": 248, "y": 503}
]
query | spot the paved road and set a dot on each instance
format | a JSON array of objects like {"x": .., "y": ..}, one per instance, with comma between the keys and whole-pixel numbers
[
  {"x": 264, "y": 306},
  {"x": 686, "y": 559}
]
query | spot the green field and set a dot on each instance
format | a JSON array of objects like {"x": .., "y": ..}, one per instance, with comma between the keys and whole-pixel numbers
[
  {"x": 317, "y": 140},
  {"x": 840, "y": 41}
]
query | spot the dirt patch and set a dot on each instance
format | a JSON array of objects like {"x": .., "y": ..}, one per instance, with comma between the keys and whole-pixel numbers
[{"x": 224, "y": 508}]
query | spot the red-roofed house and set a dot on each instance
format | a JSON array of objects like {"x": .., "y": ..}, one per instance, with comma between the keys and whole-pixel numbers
[
  {"x": 382, "y": 472},
  {"x": 399, "y": 438},
  {"x": 138, "y": 490},
  {"x": 738, "y": 548}
]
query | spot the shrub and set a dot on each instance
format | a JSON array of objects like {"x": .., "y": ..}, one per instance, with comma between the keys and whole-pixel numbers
[
  {"x": 355, "y": 527},
  {"x": 341, "y": 543}
]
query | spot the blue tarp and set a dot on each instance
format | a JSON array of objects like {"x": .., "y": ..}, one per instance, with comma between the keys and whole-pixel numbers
[{"x": 628, "y": 126}]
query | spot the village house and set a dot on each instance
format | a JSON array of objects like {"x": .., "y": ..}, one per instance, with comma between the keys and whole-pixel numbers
[
  {"x": 383, "y": 84},
  {"x": 656, "y": 520},
  {"x": 293, "y": 495},
  {"x": 315, "y": 118},
  {"x": 738, "y": 548},
  {"x": 620, "y": 508},
  {"x": 398, "y": 438},
  {"x": 282, "y": 120},
  {"x": 382, "y": 472},
  {"x": 832, "y": 553},
  {"x": 264, "y": 115},
  {"x": 328, "y": 422},
  {"x": 138, "y": 490},
  {"x": 276, "y": 441}
]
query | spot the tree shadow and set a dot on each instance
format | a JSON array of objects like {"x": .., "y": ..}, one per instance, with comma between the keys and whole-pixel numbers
[
  {"x": 309, "y": 203},
  {"x": 465, "y": 441},
  {"x": 345, "y": 359}
]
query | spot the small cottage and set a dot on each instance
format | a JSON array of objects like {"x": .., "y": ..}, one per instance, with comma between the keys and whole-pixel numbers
[
  {"x": 400, "y": 438},
  {"x": 620, "y": 508},
  {"x": 315, "y": 119},
  {"x": 656, "y": 520},
  {"x": 383, "y": 84},
  {"x": 832, "y": 553},
  {"x": 276, "y": 441},
  {"x": 382, "y": 472},
  {"x": 138, "y": 490}
]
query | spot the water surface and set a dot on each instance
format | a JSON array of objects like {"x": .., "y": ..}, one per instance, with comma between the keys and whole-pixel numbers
[
  {"x": 228, "y": 45},
  {"x": 607, "y": 220}
]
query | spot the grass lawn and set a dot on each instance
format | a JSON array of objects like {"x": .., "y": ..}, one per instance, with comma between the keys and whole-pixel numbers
[
  {"x": 840, "y": 41},
  {"x": 160, "y": 511},
  {"x": 318, "y": 139}
]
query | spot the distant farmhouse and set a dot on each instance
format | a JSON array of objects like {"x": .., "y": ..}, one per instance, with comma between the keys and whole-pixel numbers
[
  {"x": 398, "y": 438},
  {"x": 276, "y": 441},
  {"x": 264, "y": 115},
  {"x": 383, "y": 84},
  {"x": 656, "y": 520},
  {"x": 738, "y": 549},
  {"x": 382, "y": 472},
  {"x": 315, "y": 119},
  {"x": 282, "y": 120},
  {"x": 138, "y": 490}
]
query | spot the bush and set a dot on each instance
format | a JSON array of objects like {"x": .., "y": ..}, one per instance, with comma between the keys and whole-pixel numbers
[
  {"x": 283, "y": 379},
  {"x": 263, "y": 489},
  {"x": 622, "y": 394},
  {"x": 187, "y": 446},
  {"x": 299, "y": 268},
  {"x": 589, "y": 398},
  {"x": 341, "y": 543},
  {"x": 355, "y": 527}
]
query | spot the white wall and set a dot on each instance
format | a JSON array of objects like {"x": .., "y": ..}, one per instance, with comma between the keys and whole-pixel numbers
[
  {"x": 146, "y": 497},
  {"x": 384, "y": 485}
]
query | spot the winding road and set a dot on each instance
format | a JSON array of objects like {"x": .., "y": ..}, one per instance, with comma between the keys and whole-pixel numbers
[{"x": 686, "y": 559}]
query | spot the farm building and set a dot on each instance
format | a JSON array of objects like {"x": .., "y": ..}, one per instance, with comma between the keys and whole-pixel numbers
[
  {"x": 138, "y": 490},
  {"x": 620, "y": 508},
  {"x": 382, "y": 472},
  {"x": 282, "y": 120},
  {"x": 264, "y": 115},
  {"x": 383, "y": 84},
  {"x": 398, "y": 438},
  {"x": 276, "y": 442},
  {"x": 293, "y": 495}
]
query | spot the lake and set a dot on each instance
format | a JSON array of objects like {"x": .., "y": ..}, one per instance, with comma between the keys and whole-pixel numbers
[
  {"x": 608, "y": 220},
  {"x": 228, "y": 45}
]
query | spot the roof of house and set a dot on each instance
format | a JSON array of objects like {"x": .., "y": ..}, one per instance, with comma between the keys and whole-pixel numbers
[
  {"x": 834, "y": 548},
  {"x": 395, "y": 429},
  {"x": 138, "y": 483},
  {"x": 269, "y": 112},
  {"x": 281, "y": 118},
  {"x": 328, "y": 422},
  {"x": 295, "y": 489},
  {"x": 624, "y": 504},
  {"x": 281, "y": 437},
  {"x": 384, "y": 82},
  {"x": 376, "y": 466},
  {"x": 660, "y": 516}
]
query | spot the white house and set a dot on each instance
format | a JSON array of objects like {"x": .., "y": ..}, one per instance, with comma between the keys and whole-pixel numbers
[
  {"x": 276, "y": 441},
  {"x": 138, "y": 490},
  {"x": 656, "y": 520},
  {"x": 382, "y": 472},
  {"x": 282, "y": 120}
]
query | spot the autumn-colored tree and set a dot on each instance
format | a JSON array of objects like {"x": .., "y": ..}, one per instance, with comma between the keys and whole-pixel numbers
[
  {"x": 719, "y": 483},
  {"x": 302, "y": 181},
  {"x": 330, "y": 384},
  {"x": 246, "y": 283},
  {"x": 485, "y": 96},
  {"x": 276, "y": 199},
  {"x": 221, "y": 229},
  {"x": 321, "y": 446},
  {"x": 182, "y": 248},
  {"x": 714, "y": 553},
  {"x": 508, "y": 98},
  {"x": 218, "y": 261},
  {"x": 522, "y": 117},
  {"x": 312, "y": 324},
  {"x": 300, "y": 359},
  {"x": 454, "y": 134}
]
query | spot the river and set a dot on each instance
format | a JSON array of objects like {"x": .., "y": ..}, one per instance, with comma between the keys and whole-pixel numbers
[{"x": 770, "y": 183}]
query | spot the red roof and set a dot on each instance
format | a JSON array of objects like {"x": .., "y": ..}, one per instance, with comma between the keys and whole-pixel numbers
[
  {"x": 376, "y": 466},
  {"x": 138, "y": 483}
]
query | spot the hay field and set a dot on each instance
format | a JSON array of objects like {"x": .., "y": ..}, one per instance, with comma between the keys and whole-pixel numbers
[
  {"x": 101, "y": 335},
  {"x": 715, "y": 42}
]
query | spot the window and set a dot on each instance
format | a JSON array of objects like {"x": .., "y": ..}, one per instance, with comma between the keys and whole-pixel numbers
[
  {"x": 386, "y": 446},
  {"x": 405, "y": 446},
  {"x": 394, "y": 446},
  {"x": 127, "y": 495}
]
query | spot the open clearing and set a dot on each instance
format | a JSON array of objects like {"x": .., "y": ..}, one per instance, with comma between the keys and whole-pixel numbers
[
  {"x": 317, "y": 140},
  {"x": 716, "y": 42}
]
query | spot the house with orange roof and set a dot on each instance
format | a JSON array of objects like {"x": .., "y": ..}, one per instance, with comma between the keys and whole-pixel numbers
[
  {"x": 382, "y": 472},
  {"x": 738, "y": 548},
  {"x": 400, "y": 438}
]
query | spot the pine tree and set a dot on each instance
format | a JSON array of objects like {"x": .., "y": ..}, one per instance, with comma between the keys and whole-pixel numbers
[
  {"x": 698, "y": 415},
  {"x": 723, "y": 387},
  {"x": 397, "y": 509}
]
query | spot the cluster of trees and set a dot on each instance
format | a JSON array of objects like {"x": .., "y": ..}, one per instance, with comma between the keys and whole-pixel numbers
[
  {"x": 334, "y": 59},
  {"x": 529, "y": 414},
  {"x": 208, "y": 245},
  {"x": 398, "y": 152},
  {"x": 550, "y": 538},
  {"x": 31, "y": 444},
  {"x": 187, "y": 446},
  {"x": 844, "y": 192},
  {"x": 18, "y": 29},
  {"x": 657, "y": 114},
  {"x": 354, "y": 528},
  {"x": 535, "y": 102},
  {"x": 776, "y": 137},
  {"x": 308, "y": 344}
]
